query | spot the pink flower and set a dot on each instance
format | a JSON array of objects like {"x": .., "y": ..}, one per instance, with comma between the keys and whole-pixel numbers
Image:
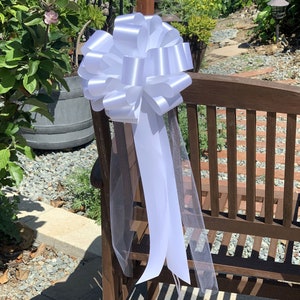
[{"x": 51, "y": 17}]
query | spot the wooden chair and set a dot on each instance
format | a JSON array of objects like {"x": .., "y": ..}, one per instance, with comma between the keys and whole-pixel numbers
[{"x": 229, "y": 207}]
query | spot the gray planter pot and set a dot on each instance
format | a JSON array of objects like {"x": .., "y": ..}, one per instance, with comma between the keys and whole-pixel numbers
[{"x": 72, "y": 124}]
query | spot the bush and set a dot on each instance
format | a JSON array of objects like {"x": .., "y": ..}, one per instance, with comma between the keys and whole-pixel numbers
[
  {"x": 289, "y": 25},
  {"x": 230, "y": 6},
  {"x": 8, "y": 216},
  {"x": 199, "y": 27},
  {"x": 83, "y": 196}
]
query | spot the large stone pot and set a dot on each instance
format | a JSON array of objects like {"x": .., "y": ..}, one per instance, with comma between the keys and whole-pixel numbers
[{"x": 72, "y": 124}]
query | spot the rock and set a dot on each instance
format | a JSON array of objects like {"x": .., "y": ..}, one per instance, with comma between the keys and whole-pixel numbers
[
  {"x": 4, "y": 277},
  {"x": 22, "y": 274}
]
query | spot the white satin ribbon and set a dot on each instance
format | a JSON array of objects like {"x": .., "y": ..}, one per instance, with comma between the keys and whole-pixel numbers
[{"x": 137, "y": 75}]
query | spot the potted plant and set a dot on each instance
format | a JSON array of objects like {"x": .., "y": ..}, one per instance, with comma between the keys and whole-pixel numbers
[
  {"x": 194, "y": 19},
  {"x": 51, "y": 29}
]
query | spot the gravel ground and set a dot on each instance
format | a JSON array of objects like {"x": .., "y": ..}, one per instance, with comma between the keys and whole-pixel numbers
[
  {"x": 34, "y": 271},
  {"x": 45, "y": 174},
  {"x": 286, "y": 66}
]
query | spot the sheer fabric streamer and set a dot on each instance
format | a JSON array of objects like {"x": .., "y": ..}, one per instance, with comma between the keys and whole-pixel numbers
[{"x": 195, "y": 234}]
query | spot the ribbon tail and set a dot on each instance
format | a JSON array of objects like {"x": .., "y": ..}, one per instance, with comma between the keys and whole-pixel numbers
[
  {"x": 165, "y": 226},
  {"x": 192, "y": 218}
]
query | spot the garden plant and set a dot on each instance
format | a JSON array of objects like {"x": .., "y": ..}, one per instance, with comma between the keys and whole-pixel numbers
[
  {"x": 36, "y": 46},
  {"x": 83, "y": 196}
]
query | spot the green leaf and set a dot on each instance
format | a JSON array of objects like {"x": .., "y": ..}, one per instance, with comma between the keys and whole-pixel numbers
[
  {"x": 64, "y": 84},
  {"x": 21, "y": 7},
  {"x": 39, "y": 107},
  {"x": 34, "y": 101},
  {"x": 15, "y": 172},
  {"x": 11, "y": 129},
  {"x": 7, "y": 81},
  {"x": 30, "y": 83},
  {"x": 47, "y": 65},
  {"x": 14, "y": 51},
  {"x": 2, "y": 18},
  {"x": 73, "y": 6},
  {"x": 4, "y": 158},
  {"x": 62, "y": 3},
  {"x": 28, "y": 152},
  {"x": 33, "y": 67},
  {"x": 43, "y": 112},
  {"x": 33, "y": 21}
]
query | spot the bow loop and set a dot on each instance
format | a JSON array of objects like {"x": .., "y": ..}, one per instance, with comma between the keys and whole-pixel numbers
[
  {"x": 102, "y": 41},
  {"x": 141, "y": 48}
]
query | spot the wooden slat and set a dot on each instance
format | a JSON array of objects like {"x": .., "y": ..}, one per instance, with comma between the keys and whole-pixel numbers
[
  {"x": 270, "y": 166},
  {"x": 256, "y": 247},
  {"x": 213, "y": 159},
  {"x": 122, "y": 132},
  {"x": 193, "y": 137},
  {"x": 231, "y": 161},
  {"x": 251, "y": 164},
  {"x": 175, "y": 142},
  {"x": 224, "y": 244},
  {"x": 251, "y": 227},
  {"x": 240, "y": 245},
  {"x": 289, "y": 169},
  {"x": 243, "y": 93}
]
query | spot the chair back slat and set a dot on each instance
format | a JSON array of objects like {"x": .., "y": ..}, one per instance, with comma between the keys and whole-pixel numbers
[
  {"x": 103, "y": 142},
  {"x": 250, "y": 164},
  {"x": 213, "y": 159},
  {"x": 193, "y": 139},
  {"x": 289, "y": 169},
  {"x": 270, "y": 166},
  {"x": 122, "y": 135},
  {"x": 249, "y": 203},
  {"x": 232, "y": 161}
]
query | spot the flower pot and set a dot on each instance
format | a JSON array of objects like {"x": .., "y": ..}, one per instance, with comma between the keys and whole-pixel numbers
[
  {"x": 198, "y": 49},
  {"x": 72, "y": 124}
]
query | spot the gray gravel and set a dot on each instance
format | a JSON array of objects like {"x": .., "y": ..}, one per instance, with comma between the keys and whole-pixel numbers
[
  {"x": 286, "y": 63},
  {"x": 286, "y": 66},
  {"x": 45, "y": 174},
  {"x": 48, "y": 171},
  {"x": 37, "y": 274}
]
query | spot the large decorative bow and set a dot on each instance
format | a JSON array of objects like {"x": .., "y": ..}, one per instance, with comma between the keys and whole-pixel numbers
[{"x": 137, "y": 75}]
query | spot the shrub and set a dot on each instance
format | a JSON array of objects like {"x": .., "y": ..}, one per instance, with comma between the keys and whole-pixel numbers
[
  {"x": 8, "y": 216},
  {"x": 82, "y": 194},
  {"x": 289, "y": 25}
]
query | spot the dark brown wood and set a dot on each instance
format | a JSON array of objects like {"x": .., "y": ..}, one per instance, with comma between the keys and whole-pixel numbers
[
  {"x": 231, "y": 161},
  {"x": 146, "y": 7},
  {"x": 256, "y": 94},
  {"x": 289, "y": 169},
  {"x": 270, "y": 166},
  {"x": 213, "y": 158},
  {"x": 233, "y": 208},
  {"x": 251, "y": 164},
  {"x": 193, "y": 129}
]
